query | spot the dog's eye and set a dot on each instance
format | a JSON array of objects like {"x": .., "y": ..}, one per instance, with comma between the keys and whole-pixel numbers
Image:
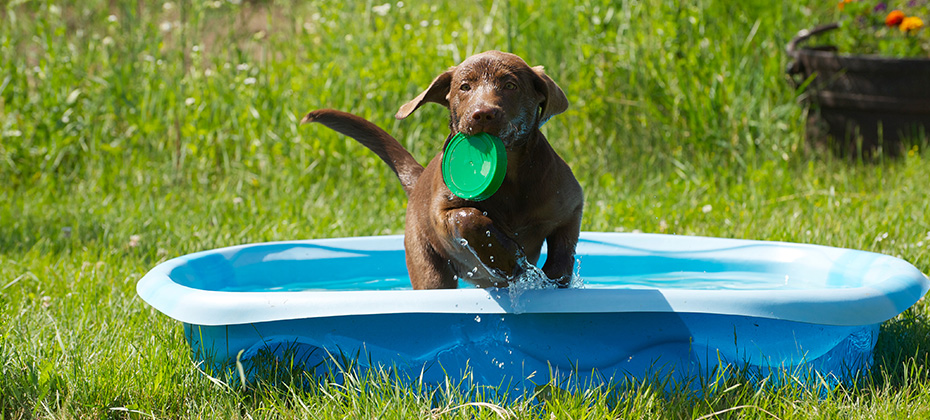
[
  {"x": 465, "y": 86},
  {"x": 510, "y": 86}
]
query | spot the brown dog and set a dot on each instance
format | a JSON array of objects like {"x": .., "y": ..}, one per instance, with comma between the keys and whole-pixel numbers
[{"x": 487, "y": 243}]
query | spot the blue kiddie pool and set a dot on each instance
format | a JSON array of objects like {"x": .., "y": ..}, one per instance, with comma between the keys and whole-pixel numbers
[{"x": 648, "y": 304}]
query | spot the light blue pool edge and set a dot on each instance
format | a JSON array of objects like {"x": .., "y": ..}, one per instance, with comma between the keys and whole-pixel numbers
[{"x": 900, "y": 286}]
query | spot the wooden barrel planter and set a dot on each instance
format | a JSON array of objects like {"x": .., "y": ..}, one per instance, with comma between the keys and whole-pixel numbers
[{"x": 861, "y": 104}]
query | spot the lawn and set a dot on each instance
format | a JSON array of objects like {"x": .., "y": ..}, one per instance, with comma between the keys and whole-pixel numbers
[{"x": 131, "y": 133}]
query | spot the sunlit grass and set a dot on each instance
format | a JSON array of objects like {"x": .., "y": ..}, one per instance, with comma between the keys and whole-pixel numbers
[{"x": 129, "y": 136}]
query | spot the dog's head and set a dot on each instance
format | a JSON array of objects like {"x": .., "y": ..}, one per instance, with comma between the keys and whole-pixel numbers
[{"x": 495, "y": 93}]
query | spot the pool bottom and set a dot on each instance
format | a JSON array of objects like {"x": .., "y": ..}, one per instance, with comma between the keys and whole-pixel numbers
[{"x": 520, "y": 351}]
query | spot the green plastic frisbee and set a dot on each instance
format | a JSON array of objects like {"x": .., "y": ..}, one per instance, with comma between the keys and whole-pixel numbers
[{"x": 473, "y": 167}]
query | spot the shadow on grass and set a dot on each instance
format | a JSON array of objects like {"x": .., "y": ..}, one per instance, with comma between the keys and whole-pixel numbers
[{"x": 902, "y": 353}]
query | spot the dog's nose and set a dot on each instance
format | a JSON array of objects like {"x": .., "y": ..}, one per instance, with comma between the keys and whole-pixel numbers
[{"x": 485, "y": 114}]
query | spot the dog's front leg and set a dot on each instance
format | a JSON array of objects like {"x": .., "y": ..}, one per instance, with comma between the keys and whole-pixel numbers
[
  {"x": 560, "y": 260},
  {"x": 499, "y": 255}
]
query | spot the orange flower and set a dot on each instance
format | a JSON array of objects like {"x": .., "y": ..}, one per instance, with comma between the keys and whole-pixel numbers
[
  {"x": 843, "y": 3},
  {"x": 894, "y": 18},
  {"x": 911, "y": 24}
]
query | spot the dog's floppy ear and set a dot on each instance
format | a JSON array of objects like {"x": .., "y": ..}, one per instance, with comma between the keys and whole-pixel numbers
[
  {"x": 554, "y": 101},
  {"x": 436, "y": 92}
]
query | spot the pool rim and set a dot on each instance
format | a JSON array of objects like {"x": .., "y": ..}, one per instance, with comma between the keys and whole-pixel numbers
[{"x": 901, "y": 286}]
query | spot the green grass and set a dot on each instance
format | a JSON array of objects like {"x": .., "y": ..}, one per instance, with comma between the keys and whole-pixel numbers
[{"x": 165, "y": 130}]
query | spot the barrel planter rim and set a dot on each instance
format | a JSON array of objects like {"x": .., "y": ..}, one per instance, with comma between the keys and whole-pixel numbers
[{"x": 880, "y": 98}]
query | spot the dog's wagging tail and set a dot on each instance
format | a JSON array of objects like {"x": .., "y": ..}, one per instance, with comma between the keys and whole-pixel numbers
[{"x": 384, "y": 145}]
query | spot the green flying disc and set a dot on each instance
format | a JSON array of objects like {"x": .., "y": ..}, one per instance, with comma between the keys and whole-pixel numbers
[{"x": 473, "y": 167}]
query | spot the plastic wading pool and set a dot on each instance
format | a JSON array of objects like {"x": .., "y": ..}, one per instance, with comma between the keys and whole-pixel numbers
[{"x": 650, "y": 304}]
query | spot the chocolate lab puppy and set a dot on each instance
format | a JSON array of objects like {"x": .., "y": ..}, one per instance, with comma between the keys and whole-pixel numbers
[{"x": 487, "y": 243}]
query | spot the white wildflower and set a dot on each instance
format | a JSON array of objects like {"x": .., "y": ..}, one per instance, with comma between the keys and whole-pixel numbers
[{"x": 381, "y": 10}]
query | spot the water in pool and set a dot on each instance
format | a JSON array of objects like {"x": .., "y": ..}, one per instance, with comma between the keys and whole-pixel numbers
[{"x": 689, "y": 280}]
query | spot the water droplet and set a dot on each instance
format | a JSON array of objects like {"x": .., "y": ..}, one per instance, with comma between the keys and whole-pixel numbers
[
  {"x": 492, "y": 258},
  {"x": 484, "y": 213},
  {"x": 463, "y": 241},
  {"x": 487, "y": 233}
]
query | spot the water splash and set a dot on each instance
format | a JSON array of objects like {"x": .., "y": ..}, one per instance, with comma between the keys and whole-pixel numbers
[
  {"x": 577, "y": 282},
  {"x": 532, "y": 278}
]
